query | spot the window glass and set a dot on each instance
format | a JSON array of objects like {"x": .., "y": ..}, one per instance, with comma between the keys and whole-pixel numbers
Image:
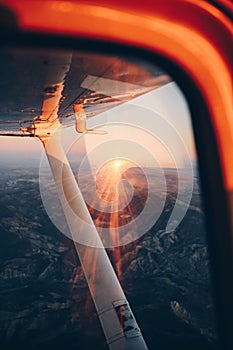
[{"x": 126, "y": 130}]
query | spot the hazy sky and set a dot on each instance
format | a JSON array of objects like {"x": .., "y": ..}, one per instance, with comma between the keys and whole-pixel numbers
[
  {"x": 158, "y": 120},
  {"x": 20, "y": 151}
]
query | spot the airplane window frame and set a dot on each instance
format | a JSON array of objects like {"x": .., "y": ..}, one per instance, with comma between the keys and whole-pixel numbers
[{"x": 216, "y": 201}]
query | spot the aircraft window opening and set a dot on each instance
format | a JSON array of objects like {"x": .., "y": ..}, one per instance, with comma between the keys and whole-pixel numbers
[{"x": 115, "y": 170}]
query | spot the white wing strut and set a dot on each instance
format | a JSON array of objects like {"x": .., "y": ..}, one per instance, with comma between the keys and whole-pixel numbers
[{"x": 118, "y": 323}]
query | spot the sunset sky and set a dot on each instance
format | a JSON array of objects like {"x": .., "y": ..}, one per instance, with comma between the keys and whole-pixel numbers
[{"x": 153, "y": 120}]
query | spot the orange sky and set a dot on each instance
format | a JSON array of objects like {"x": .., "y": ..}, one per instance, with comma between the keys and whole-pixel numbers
[{"x": 20, "y": 145}]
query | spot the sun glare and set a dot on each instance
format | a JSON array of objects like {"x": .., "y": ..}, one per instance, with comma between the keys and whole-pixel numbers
[
  {"x": 118, "y": 166},
  {"x": 108, "y": 177},
  {"x": 117, "y": 163}
]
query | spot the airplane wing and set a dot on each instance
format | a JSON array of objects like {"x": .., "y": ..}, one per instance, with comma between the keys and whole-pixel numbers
[{"x": 40, "y": 88}]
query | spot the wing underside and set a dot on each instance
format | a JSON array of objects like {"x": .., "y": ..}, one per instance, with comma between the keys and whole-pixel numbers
[{"x": 42, "y": 87}]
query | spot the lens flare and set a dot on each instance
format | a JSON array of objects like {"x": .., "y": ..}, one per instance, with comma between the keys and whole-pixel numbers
[{"x": 124, "y": 204}]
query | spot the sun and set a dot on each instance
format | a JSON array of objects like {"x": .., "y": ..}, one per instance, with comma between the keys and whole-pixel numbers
[
  {"x": 108, "y": 177},
  {"x": 118, "y": 166},
  {"x": 117, "y": 163}
]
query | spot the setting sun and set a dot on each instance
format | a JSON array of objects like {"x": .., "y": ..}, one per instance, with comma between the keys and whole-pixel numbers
[
  {"x": 117, "y": 163},
  {"x": 109, "y": 175}
]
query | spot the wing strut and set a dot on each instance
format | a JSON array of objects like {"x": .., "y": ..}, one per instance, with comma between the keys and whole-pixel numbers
[{"x": 117, "y": 320}]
